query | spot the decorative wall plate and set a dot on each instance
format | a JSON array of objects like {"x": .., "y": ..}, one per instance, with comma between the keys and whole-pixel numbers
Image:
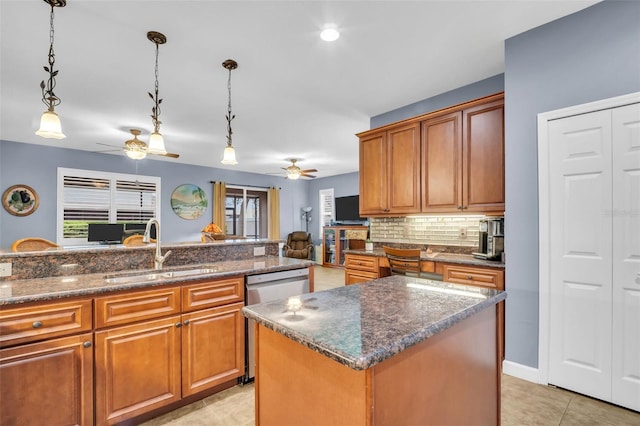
[
  {"x": 20, "y": 200},
  {"x": 188, "y": 201}
]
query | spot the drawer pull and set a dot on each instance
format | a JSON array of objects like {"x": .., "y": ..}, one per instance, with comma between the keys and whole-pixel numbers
[
  {"x": 469, "y": 277},
  {"x": 187, "y": 322},
  {"x": 87, "y": 344},
  {"x": 37, "y": 324},
  {"x": 178, "y": 324}
]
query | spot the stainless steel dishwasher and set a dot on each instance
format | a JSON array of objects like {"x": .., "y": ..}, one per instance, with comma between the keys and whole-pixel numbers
[{"x": 267, "y": 287}]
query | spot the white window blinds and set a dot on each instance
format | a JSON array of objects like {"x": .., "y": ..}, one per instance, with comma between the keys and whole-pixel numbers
[{"x": 86, "y": 196}]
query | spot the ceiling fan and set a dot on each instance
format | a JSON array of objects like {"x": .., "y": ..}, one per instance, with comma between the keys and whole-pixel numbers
[
  {"x": 137, "y": 149},
  {"x": 294, "y": 172}
]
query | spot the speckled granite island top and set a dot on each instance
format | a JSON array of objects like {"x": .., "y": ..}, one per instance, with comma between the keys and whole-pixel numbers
[
  {"x": 459, "y": 258},
  {"x": 362, "y": 325},
  {"x": 53, "y": 288}
]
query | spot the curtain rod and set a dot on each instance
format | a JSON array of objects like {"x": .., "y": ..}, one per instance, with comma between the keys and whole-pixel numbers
[{"x": 241, "y": 184}]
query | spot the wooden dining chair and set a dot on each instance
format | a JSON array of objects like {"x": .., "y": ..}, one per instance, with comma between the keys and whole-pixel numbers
[
  {"x": 403, "y": 261},
  {"x": 136, "y": 241},
  {"x": 32, "y": 244}
]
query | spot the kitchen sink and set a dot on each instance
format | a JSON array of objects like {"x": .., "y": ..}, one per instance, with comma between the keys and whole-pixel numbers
[{"x": 158, "y": 275}]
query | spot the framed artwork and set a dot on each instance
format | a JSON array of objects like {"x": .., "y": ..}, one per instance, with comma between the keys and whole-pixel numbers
[
  {"x": 20, "y": 200},
  {"x": 188, "y": 201}
]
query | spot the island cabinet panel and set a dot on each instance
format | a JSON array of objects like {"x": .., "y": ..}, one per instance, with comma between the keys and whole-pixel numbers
[
  {"x": 44, "y": 321},
  {"x": 452, "y": 378},
  {"x": 48, "y": 382},
  {"x": 137, "y": 369},
  {"x": 390, "y": 172},
  {"x": 298, "y": 386},
  {"x": 212, "y": 347}
]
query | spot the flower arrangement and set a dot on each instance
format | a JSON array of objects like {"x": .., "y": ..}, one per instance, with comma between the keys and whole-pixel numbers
[{"x": 214, "y": 231}]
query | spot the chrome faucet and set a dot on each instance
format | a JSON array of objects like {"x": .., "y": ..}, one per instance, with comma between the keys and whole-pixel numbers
[{"x": 158, "y": 259}]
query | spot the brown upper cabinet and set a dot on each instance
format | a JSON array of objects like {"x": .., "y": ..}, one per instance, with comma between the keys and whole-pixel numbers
[
  {"x": 457, "y": 167},
  {"x": 390, "y": 171}
]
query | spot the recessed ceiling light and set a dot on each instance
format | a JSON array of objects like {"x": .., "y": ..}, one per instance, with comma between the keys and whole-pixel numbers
[{"x": 330, "y": 33}]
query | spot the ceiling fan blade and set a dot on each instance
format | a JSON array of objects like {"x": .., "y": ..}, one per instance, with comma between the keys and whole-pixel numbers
[
  {"x": 309, "y": 171},
  {"x": 306, "y": 175},
  {"x": 106, "y": 144},
  {"x": 168, "y": 154}
]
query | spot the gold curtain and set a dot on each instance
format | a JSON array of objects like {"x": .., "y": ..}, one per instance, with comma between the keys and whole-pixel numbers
[
  {"x": 219, "y": 195},
  {"x": 274, "y": 213}
]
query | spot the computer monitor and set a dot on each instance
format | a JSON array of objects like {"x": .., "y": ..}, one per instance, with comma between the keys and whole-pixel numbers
[{"x": 105, "y": 233}]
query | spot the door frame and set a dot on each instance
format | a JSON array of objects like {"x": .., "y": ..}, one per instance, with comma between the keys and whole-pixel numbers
[{"x": 544, "y": 225}]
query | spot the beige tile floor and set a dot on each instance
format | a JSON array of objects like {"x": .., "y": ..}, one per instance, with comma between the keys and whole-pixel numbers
[{"x": 523, "y": 403}]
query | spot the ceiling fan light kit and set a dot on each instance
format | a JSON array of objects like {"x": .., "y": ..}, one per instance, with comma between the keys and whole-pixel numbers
[
  {"x": 135, "y": 148},
  {"x": 50, "y": 126},
  {"x": 229, "y": 155},
  {"x": 294, "y": 172}
]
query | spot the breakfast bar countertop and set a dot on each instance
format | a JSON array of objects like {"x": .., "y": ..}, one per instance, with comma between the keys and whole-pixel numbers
[
  {"x": 362, "y": 325},
  {"x": 60, "y": 287}
]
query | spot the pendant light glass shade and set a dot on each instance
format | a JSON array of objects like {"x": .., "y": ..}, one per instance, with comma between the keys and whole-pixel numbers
[
  {"x": 229, "y": 156},
  {"x": 156, "y": 143},
  {"x": 50, "y": 126}
]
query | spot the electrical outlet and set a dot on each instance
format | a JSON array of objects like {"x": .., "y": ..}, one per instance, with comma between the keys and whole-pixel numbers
[
  {"x": 5, "y": 269},
  {"x": 462, "y": 232},
  {"x": 258, "y": 251}
]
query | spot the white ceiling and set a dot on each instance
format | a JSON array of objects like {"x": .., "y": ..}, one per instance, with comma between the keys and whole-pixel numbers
[{"x": 293, "y": 94}]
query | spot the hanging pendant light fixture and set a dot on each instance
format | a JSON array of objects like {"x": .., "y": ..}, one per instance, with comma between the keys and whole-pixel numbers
[
  {"x": 156, "y": 141},
  {"x": 229, "y": 156},
  {"x": 50, "y": 126}
]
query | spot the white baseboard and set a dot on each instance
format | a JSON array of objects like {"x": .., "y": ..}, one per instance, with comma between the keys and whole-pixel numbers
[{"x": 523, "y": 372}]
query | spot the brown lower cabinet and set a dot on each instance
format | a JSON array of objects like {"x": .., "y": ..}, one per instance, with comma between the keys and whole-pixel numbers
[
  {"x": 143, "y": 350},
  {"x": 48, "y": 382}
]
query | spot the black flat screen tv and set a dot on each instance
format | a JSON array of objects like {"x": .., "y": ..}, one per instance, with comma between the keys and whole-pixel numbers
[
  {"x": 105, "y": 233},
  {"x": 348, "y": 209}
]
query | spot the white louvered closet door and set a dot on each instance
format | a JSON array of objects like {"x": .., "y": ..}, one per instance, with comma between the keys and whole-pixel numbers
[{"x": 594, "y": 338}]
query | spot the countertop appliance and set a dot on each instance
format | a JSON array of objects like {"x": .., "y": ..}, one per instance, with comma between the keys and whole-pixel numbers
[
  {"x": 268, "y": 287},
  {"x": 491, "y": 238}
]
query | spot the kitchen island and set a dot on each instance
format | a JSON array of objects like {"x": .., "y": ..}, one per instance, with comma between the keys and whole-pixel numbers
[{"x": 396, "y": 350}]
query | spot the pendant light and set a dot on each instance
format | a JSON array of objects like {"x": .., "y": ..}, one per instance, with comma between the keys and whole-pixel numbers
[
  {"x": 50, "y": 126},
  {"x": 229, "y": 156},
  {"x": 156, "y": 141}
]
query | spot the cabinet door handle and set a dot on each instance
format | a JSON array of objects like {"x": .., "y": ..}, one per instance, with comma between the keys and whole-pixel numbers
[
  {"x": 187, "y": 322},
  {"x": 178, "y": 324},
  {"x": 87, "y": 344},
  {"x": 37, "y": 324}
]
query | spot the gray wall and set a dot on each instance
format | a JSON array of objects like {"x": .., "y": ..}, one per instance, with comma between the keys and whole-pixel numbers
[
  {"x": 476, "y": 90},
  {"x": 36, "y": 166},
  {"x": 343, "y": 185},
  {"x": 590, "y": 55}
]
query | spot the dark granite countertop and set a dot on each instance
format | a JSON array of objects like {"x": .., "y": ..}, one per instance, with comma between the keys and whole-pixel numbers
[
  {"x": 463, "y": 259},
  {"x": 364, "y": 324},
  {"x": 52, "y": 288}
]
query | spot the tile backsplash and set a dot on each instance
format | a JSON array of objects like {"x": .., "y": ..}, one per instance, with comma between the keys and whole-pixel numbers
[{"x": 433, "y": 230}]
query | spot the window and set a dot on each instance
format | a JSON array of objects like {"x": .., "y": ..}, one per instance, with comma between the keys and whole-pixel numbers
[
  {"x": 246, "y": 212},
  {"x": 327, "y": 214},
  {"x": 86, "y": 196}
]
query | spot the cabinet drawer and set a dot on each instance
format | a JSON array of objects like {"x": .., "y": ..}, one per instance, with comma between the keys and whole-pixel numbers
[
  {"x": 484, "y": 277},
  {"x": 29, "y": 324},
  {"x": 362, "y": 263},
  {"x": 207, "y": 294},
  {"x": 354, "y": 277},
  {"x": 136, "y": 306}
]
